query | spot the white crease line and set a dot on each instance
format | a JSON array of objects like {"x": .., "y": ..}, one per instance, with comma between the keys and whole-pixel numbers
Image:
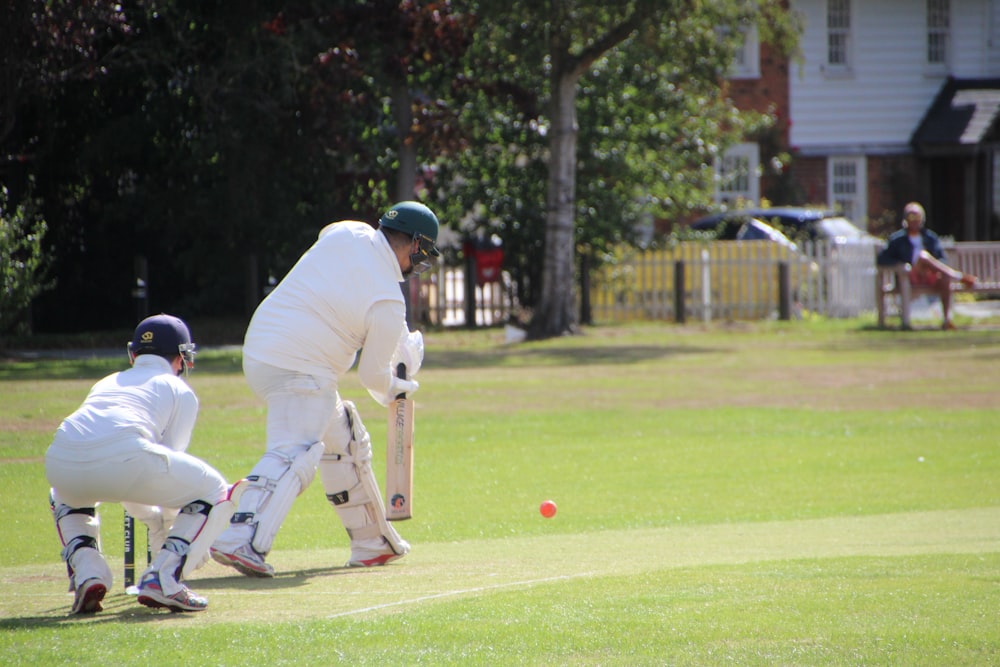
[{"x": 446, "y": 594}]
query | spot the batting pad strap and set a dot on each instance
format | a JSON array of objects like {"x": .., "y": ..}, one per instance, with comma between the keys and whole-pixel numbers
[
  {"x": 75, "y": 523},
  {"x": 77, "y": 543}
]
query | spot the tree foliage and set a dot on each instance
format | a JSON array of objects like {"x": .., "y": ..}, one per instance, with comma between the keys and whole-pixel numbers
[
  {"x": 619, "y": 105},
  {"x": 22, "y": 262},
  {"x": 209, "y": 138},
  {"x": 213, "y": 139}
]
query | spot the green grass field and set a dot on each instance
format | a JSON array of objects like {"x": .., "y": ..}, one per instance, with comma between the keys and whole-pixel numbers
[{"x": 807, "y": 493}]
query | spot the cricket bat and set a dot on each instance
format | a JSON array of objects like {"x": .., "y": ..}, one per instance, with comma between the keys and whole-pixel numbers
[{"x": 399, "y": 457}]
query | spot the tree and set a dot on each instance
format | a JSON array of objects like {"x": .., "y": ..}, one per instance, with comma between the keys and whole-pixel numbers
[
  {"x": 202, "y": 134},
  {"x": 22, "y": 262},
  {"x": 210, "y": 137},
  {"x": 681, "y": 47}
]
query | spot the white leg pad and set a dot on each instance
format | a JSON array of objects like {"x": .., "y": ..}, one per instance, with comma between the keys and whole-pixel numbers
[
  {"x": 217, "y": 521},
  {"x": 88, "y": 563},
  {"x": 80, "y": 534},
  {"x": 275, "y": 482},
  {"x": 352, "y": 489},
  {"x": 158, "y": 521}
]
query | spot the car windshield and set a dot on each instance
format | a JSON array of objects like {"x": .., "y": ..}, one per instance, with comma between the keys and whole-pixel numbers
[
  {"x": 756, "y": 230},
  {"x": 838, "y": 227}
]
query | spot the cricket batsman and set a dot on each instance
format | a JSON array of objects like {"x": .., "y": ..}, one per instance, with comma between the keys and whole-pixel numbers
[{"x": 340, "y": 300}]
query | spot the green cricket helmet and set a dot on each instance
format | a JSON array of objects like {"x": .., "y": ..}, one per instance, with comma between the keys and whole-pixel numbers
[{"x": 419, "y": 222}]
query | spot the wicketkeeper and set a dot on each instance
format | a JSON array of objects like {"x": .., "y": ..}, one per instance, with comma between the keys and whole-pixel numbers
[
  {"x": 126, "y": 443},
  {"x": 342, "y": 297}
]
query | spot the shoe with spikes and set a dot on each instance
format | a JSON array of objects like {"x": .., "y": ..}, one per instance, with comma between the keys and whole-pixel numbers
[
  {"x": 375, "y": 561},
  {"x": 244, "y": 559},
  {"x": 373, "y": 553},
  {"x": 89, "y": 595},
  {"x": 151, "y": 594}
]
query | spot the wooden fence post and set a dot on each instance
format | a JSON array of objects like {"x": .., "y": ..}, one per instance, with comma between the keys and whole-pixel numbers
[
  {"x": 784, "y": 292},
  {"x": 679, "y": 314},
  {"x": 470, "y": 291}
]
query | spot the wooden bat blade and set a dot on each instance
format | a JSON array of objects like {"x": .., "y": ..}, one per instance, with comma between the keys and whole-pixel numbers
[{"x": 399, "y": 458}]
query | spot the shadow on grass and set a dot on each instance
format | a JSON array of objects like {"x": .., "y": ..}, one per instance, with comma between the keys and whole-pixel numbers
[
  {"x": 120, "y": 607},
  {"x": 117, "y": 609},
  {"x": 281, "y": 579},
  {"x": 514, "y": 357},
  {"x": 229, "y": 361},
  {"x": 95, "y": 364},
  {"x": 921, "y": 338}
]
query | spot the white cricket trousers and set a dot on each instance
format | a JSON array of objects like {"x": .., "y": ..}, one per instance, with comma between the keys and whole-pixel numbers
[
  {"x": 129, "y": 468},
  {"x": 301, "y": 409}
]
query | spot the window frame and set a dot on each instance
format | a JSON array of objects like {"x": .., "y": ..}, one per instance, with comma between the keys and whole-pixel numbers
[
  {"x": 857, "y": 210},
  {"x": 938, "y": 28},
  {"x": 747, "y": 63},
  {"x": 750, "y": 152},
  {"x": 844, "y": 64}
]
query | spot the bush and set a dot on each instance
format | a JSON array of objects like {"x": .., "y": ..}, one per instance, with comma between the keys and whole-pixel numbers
[{"x": 22, "y": 262}]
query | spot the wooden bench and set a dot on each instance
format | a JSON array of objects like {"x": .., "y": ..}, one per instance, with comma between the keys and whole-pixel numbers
[{"x": 979, "y": 258}]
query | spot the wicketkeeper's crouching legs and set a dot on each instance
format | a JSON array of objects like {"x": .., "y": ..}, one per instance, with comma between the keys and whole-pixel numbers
[
  {"x": 158, "y": 521},
  {"x": 90, "y": 577},
  {"x": 352, "y": 489},
  {"x": 185, "y": 549}
]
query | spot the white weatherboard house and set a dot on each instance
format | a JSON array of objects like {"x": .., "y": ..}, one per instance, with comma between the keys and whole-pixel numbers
[
  {"x": 889, "y": 101},
  {"x": 899, "y": 99}
]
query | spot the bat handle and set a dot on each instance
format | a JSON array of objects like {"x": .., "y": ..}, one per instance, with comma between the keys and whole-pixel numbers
[{"x": 401, "y": 374}]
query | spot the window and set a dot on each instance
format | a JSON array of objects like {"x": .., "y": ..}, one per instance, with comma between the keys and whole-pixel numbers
[
  {"x": 746, "y": 64},
  {"x": 838, "y": 34},
  {"x": 847, "y": 188},
  {"x": 938, "y": 29},
  {"x": 737, "y": 175}
]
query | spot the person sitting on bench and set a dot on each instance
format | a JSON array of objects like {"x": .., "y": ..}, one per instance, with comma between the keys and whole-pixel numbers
[{"x": 920, "y": 248}]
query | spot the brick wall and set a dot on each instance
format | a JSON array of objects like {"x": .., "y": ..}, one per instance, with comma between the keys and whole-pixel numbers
[
  {"x": 809, "y": 174},
  {"x": 769, "y": 91},
  {"x": 892, "y": 182}
]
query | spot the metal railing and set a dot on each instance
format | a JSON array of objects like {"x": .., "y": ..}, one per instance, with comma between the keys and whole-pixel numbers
[{"x": 445, "y": 299}]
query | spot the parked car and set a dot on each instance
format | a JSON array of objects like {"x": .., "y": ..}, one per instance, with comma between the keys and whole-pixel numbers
[
  {"x": 843, "y": 269},
  {"x": 797, "y": 223},
  {"x": 755, "y": 230}
]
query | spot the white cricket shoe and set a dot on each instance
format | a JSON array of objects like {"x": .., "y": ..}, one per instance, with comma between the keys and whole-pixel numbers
[
  {"x": 89, "y": 595},
  {"x": 245, "y": 560},
  {"x": 151, "y": 595},
  {"x": 363, "y": 555}
]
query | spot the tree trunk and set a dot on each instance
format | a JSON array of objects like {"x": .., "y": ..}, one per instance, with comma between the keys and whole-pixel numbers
[
  {"x": 402, "y": 110},
  {"x": 556, "y": 311},
  {"x": 406, "y": 181}
]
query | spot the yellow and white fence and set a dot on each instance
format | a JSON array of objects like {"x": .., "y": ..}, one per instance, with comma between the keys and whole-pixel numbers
[
  {"x": 692, "y": 281},
  {"x": 734, "y": 280}
]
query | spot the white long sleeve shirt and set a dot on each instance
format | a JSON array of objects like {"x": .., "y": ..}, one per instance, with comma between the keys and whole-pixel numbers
[
  {"x": 147, "y": 401},
  {"x": 341, "y": 297}
]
